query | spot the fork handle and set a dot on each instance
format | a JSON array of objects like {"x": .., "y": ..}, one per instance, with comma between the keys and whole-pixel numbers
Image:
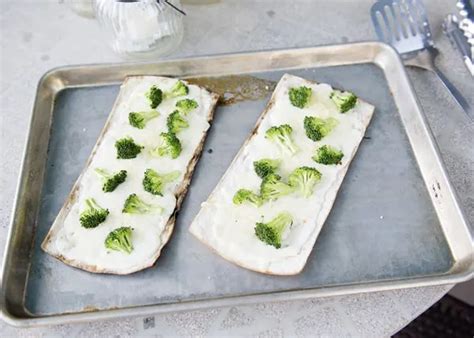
[{"x": 455, "y": 93}]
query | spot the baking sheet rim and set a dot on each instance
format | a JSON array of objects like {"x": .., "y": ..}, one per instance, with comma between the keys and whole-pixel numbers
[{"x": 55, "y": 85}]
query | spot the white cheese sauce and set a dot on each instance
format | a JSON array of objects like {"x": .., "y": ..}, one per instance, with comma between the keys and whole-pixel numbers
[
  {"x": 229, "y": 228},
  {"x": 86, "y": 246}
]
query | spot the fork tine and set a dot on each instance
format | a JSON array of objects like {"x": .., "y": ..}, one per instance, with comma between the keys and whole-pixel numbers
[
  {"x": 379, "y": 20},
  {"x": 382, "y": 34},
  {"x": 394, "y": 25},
  {"x": 400, "y": 23},
  {"x": 417, "y": 22},
  {"x": 421, "y": 11},
  {"x": 412, "y": 12},
  {"x": 390, "y": 32},
  {"x": 419, "y": 14},
  {"x": 407, "y": 18},
  {"x": 400, "y": 15}
]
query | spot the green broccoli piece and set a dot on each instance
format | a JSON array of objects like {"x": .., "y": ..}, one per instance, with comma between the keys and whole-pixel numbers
[
  {"x": 245, "y": 195},
  {"x": 127, "y": 148},
  {"x": 111, "y": 181},
  {"x": 316, "y": 128},
  {"x": 134, "y": 205},
  {"x": 282, "y": 136},
  {"x": 344, "y": 101},
  {"x": 271, "y": 232},
  {"x": 155, "y": 96},
  {"x": 170, "y": 146},
  {"x": 120, "y": 239},
  {"x": 175, "y": 122},
  {"x": 265, "y": 166},
  {"x": 154, "y": 182},
  {"x": 328, "y": 155},
  {"x": 93, "y": 215},
  {"x": 273, "y": 188},
  {"x": 186, "y": 105},
  {"x": 178, "y": 89},
  {"x": 140, "y": 119},
  {"x": 304, "y": 179},
  {"x": 300, "y": 96}
]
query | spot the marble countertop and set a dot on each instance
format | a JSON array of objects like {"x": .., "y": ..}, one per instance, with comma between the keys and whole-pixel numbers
[{"x": 36, "y": 36}]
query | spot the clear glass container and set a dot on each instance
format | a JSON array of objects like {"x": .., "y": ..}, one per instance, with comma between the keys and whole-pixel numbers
[{"x": 140, "y": 29}]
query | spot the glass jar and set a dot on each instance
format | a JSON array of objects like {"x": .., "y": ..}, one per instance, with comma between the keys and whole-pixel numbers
[{"x": 141, "y": 28}]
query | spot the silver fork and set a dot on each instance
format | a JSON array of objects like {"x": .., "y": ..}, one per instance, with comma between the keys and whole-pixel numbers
[{"x": 404, "y": 25}]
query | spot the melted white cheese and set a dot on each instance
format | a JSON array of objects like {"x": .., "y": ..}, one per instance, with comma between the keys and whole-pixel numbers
[
  {"x": 229, "y": 228},
  {"x": 86, "y": 246}
]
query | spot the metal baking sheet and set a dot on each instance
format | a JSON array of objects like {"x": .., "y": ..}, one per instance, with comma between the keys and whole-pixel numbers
[{"x": 396, "y": 222}]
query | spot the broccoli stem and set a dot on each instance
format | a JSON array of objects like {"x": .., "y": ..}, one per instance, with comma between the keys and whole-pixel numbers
[{"x": 271, "y": 233}]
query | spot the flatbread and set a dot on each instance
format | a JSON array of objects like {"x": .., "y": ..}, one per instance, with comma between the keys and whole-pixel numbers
[
  {"x": 61, "y": 232},
  {"x": 228, "y": 229}
]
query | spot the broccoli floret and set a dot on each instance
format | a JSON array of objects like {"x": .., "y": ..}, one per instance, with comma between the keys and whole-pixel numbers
[
  {"x": 170, "y": 146},
  {"x": 282, "y": 136},
  {"x": 186, "y": 105},
  {"x": 316, "y": 128},
  {"x": 243, "y": 195},
  {"x": 265, "y": 166},
  {"x": 273, "y": 188},
  {"x": 271, "y": 232},
  {"x": 93, "y": 215},
  {"x": 155, "y": 96},
  {"x": 344, "y": 101},
  {"x": 300, "y": 96},
  {"x": 111, "y": 181},
  {"x": 304, "y": 179},
  {"x": 179, "y": 89},
  {"x": 328, "y": 155},
  {"x": 140, "y": 119},
  {"x": 127, "y": 148},
  {"x": 120, "y": 239},
  {"x": 154, "y": 182},
  {"x": 175, "y": 122},
  {"x": 134, "y": 205}
]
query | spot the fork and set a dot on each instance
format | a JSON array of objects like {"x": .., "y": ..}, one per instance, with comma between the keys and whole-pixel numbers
[{"x": 404, "y": 25}]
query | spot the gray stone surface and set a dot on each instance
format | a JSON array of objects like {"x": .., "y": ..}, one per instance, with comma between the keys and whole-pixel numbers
[{"x": 38, "y": 35}]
